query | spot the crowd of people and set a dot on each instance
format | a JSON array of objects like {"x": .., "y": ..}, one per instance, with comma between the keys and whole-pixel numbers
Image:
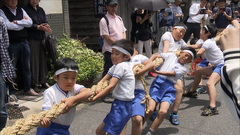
[
  {"x": 125, "y": 90},
  {"x": 22, "y": 51}
]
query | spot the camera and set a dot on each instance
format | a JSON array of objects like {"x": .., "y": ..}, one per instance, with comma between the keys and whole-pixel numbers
[
  {"x": 203, "y": 11},
  {"x": 222, "y": 9}
]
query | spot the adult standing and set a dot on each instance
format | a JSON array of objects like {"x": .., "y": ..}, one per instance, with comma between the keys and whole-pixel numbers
[
  {"x": 6, "y": 71},
  {"x": 177, "y": 10},
  {"x": 114, "y": 30},
  {"x": 134, "y": 25},
  {"x": 197, "y": 12},
  {"x": 144, "y": 32},
  {"x": 17, "y": 20},
  {"x": 222, "y": 15},
  {"x": 36, "y": 34},
  {"x": 235, "y": 6}
]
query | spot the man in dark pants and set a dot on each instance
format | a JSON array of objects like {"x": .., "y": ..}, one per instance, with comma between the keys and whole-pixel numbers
[
  {"x": 110, "y": 32},
  {"x": 197, "y": 12},
  {"x": 17, "y": 21}
]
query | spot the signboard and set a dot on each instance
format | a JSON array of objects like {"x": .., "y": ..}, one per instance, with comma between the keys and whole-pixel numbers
[{"x": 51, "y": 6}]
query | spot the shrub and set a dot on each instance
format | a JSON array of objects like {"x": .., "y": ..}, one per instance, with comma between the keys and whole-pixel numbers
[{"x": 90, "y": 63}]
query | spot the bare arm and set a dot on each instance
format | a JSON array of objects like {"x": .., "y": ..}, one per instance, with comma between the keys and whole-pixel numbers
[
  {"x": 166, "y": 73},
  {"x": 166, "y": 45},
  {"x": 200, "y": 52},
  {"x": 108, "y": 39}
]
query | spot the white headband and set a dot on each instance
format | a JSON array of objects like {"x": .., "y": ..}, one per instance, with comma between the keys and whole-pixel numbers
[
  {"x": 180, "y": 27},
  {"x": 189, "y": 52},
  {"x": 64, "y": 70},
  {"x": 121, "y": 50},
  {"x": 205, "y": 26}
]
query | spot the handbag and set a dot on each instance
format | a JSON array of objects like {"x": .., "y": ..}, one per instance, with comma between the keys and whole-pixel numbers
[{"x": 51, "y": 47}]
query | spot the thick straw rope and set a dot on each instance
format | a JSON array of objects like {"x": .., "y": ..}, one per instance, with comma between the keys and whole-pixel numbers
[{"x": 22, "y": 126}]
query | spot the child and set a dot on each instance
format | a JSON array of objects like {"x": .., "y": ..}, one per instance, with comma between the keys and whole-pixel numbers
[
  {"x": 66, "y": 71},
  {"x": 122, "y": 85},
  {"x": 215, "y": 56},
  {"x": 138, "y": 109},
  {"x": 162, "y": 88},
  {"x": 171, "y": 42}
]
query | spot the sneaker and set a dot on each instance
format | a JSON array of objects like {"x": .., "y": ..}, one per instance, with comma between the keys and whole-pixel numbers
[
  {"x": 108, "y": 99},
  {"x": 152, "y": 74},
  {"x": 31, "y": 92},
  {"x": 201, "y": 90},
  {"x": 190, "y": 94},
  {"x": 153, "y": 116},
  {"x": 210, "y": 111},
  {"x": 174, "y": 119}
]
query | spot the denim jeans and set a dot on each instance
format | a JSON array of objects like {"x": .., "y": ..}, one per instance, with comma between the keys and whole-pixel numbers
[
  {"x": 3, "y": 112},
  {"x": 20, "y": 54}
]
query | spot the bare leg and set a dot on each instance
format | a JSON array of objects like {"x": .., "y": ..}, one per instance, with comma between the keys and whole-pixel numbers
[
  {"x": 124, "y": 130},
  {"x": 197, "y": 68},
  {"x": 179, "y": 90},
  {"x": 198, "y": 75},
  {"x": 151, "y": 106},
  {"x": 137, "y": 125},
  {"x": 99, "y": 130},
  {"x": 212, "y": 81},
  {"x": 161, "y": 115}
]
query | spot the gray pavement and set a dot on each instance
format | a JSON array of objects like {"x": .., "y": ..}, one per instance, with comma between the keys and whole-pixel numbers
[{"x": 90, "y": 115}]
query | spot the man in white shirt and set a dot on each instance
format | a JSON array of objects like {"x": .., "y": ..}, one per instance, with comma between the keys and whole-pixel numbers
[{"x": 197, "y": 12}]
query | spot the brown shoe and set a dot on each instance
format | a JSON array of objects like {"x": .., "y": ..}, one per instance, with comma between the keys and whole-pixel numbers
[{"x": 31, "y": 92}]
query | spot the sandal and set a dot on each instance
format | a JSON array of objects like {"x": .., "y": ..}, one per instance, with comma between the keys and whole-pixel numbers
[{"x": 190, "y": 94}]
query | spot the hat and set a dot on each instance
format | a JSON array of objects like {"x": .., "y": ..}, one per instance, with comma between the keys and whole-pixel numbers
[{"x": 112, "y": 2}]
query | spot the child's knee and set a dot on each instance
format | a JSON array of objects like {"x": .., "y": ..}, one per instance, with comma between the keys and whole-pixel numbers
[
  {"x": 162, "y": 112},
  {"x": 137, "y": 120},
  {"x": 179, "y": 89}
]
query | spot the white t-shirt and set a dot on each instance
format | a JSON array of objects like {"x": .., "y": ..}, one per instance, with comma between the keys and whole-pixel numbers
[
  {"x": 171, "y": 64},
  {"x": 213, "y": 53},
  {"x": 124, "y": 90},
  {"x": 54, "y": 95},
  {"x": 174, "y": 45},
  {"x": 139, "y": 59},
  {"x": 193, "y": 18}
]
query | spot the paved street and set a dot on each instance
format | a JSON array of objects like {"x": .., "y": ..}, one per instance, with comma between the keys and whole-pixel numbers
[{"x": 90, "y": 115}]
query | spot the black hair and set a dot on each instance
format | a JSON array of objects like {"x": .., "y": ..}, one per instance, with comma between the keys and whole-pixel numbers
[
  {"x": 66, "y": 63},
  {"x": 193, "y": 41},
  {"x": 192, "y": 50},
  {"x": 125, "y": 44},
  {"x": 212, "y": 29},
  {"x": 206, "y": 0},
  {"x": 222, "y": 1},
  {"x": 180, "y": 24}
]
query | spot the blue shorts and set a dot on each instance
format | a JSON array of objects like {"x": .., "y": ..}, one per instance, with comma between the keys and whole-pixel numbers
[
  {"x": 162, "y": 90},
  {"x": 53, "y": 129},
  {"x": 217, "y": 68},
  {"x": 137, "y": 107},
  {"x": 117, "y": 118},
  {"x": 203, "y": 63}
]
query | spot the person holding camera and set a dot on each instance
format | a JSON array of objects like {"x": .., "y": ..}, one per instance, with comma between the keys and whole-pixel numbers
[
  {"x": 197, "y": 12},
  {"x": 222, "y": 15}
]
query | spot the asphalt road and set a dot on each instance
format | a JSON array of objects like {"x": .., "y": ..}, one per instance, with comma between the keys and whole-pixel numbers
[{"x": 89, "y": 116}]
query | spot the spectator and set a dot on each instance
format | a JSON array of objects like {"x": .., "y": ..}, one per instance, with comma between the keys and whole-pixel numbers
[
  {"x": 144, "y": 32},
  {"x": 6, "y": 71},
  {"x": 134, "y": 25},
  {"x": 222, "y": 15},
  {"x": 235, "y": 7},
  {"x": 197, "y": 12},
  {"x": 115, "y": 32},
  {"x": 177, "y": 11},
  {"x": 36, "y": 34},
  {"x": 17, "y": 20},
  {"x": 166, "y": 20}
]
